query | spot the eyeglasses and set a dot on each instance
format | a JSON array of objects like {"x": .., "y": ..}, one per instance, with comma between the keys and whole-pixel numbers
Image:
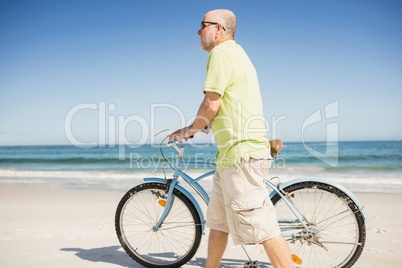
[{"x": 211, "y": 23}]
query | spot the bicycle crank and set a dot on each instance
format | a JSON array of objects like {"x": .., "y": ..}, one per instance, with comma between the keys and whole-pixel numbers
[{"x": 251, "y": 264}]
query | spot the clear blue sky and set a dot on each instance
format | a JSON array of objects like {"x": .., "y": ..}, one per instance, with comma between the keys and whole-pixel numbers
[{"x": 55, "y": 55}]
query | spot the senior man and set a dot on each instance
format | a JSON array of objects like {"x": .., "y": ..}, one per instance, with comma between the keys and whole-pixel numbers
[{"x": 232, "y": 106}]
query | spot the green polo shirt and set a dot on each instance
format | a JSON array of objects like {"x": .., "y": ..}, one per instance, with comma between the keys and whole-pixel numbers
[{"x": 239, "y": 128}]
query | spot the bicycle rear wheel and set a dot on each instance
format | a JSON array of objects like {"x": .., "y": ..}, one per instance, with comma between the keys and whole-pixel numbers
[
  {"x": 339, "y": 224},
  {"x": 177, "y": 239}
]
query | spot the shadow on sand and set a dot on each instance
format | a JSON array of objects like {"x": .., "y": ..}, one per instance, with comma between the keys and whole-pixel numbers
[{"x": 115, "y": 255}]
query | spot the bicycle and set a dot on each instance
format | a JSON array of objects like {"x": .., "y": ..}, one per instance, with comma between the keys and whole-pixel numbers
[{"x": 159, "y": 223}]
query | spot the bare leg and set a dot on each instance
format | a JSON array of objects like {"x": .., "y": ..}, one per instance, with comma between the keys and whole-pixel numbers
[
  {"x": 278, "y": 252},
  {"x": 216, "y": 247}
]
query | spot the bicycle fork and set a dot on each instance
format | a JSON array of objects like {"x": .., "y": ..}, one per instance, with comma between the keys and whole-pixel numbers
[{"x": 169, "y": 203}]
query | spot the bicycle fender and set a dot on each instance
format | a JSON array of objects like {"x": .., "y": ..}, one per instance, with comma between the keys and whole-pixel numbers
[
  {"x": 188, "y": 195},
  {"x": 329, "y": 182}
]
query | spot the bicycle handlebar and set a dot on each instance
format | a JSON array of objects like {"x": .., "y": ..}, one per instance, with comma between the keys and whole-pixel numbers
[
  {"x": 179, "y": 149},
  {"x": 175, "y": 140},
  {"x": 172, "y": 142}
]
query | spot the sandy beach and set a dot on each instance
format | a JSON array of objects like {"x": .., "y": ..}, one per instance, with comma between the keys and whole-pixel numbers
[{"x": 75, "y": 228}]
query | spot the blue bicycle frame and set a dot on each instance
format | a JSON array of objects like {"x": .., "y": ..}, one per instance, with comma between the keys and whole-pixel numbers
[{"x": 174, "y": 184}]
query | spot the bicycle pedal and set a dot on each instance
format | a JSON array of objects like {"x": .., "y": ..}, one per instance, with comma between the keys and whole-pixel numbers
[{"x": 251, "y": 264}]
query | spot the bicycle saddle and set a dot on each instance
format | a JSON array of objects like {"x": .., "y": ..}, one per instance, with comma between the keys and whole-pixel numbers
[{"x": 276, "y": 146}]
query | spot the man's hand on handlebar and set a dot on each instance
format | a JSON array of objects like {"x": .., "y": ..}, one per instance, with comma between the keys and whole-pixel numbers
[
  {"x": 187, "y": 133},
  {"x": 206, "y": 129},
  {"x": 183, "y": 133}
]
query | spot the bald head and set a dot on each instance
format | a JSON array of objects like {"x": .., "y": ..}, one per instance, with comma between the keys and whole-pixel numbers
[
  {"x": 226, "y": 18},
  {"x": 217, "y": 27}
]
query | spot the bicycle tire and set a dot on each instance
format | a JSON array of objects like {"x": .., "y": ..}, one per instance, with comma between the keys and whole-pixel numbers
[
  {"x": 177, "y": 239},
  {"x": 340, "y": 226}
]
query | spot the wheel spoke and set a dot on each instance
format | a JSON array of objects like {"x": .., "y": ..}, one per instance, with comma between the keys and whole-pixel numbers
[
  {"x": 176, "y": 240},
  {"x": 339, "y": 227}
]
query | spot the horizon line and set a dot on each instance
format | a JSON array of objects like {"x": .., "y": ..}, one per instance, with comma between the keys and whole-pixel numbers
[{"x": 197, "y": 143}]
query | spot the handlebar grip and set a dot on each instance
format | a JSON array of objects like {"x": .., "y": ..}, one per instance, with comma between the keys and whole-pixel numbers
[
  {"x": 175, "y": 140},
  {"x": 172, "y": 142}
]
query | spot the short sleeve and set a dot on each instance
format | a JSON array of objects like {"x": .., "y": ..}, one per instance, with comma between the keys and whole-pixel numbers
[{"x": 219, "y": 72}]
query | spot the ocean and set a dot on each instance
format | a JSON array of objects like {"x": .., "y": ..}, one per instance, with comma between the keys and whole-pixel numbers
[{"x": 366, "y": 166}]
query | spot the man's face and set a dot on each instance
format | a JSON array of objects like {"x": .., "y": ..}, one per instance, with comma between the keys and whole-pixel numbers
[{"x": 207, "y": 33}]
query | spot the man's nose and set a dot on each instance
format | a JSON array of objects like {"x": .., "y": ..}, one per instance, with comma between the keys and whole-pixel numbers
[{"x": 199, "y": 32}]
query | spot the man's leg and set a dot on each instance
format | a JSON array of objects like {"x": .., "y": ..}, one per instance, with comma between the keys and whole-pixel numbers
[
  {"x": 278, "y": 252},
  {"x": 216, "y": 247}
]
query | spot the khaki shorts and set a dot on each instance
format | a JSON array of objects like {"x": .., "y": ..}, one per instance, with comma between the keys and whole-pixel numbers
[{"x": 240, "y": 203}]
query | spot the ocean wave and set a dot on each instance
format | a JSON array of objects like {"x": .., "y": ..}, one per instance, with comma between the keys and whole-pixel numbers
[
  {"x": 93, "y": 175},
  {"x": 362, "y": 168},
  {"x": 341, "y": 158},
  {"x": 379, "y": 182},
  {"x": 74, "y": 160},
  {"x": 11, "y": 173},
  {"x": 98, "y": 160}
]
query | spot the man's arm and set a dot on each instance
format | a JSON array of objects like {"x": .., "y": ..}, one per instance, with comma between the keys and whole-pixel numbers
[{"x": 207, "y": 111}]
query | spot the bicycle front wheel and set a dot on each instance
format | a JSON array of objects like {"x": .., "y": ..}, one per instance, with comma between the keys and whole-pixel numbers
[
  {"x": 177, "y": 239},
  {"x": 339, "y": 226}
]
